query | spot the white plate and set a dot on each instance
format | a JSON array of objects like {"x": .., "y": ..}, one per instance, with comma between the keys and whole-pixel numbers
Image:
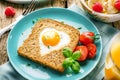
[{"x": 24, "y": 1}]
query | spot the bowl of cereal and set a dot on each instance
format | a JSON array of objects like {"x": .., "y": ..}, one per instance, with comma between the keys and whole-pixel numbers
[{"x": 103, "y": 10}]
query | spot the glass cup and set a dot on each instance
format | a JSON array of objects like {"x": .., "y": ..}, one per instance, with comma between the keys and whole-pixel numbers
[{"x": 112, "y": 63}]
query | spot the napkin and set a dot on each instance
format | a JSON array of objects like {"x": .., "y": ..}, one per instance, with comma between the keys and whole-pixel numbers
[{"x": 7, "y": 72}]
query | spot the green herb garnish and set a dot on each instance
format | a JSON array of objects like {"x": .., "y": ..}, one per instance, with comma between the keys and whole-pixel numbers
[
  {"x": 76, "y": 55},
  {"x": 97, "y": 37},
  {"x": 28, "y": 64},
  {"x": 70, "y": 60},
  {"x": 67, "y": 52},
  {"x": 79, "y": 28},
  {"x": 34, "y": 21},
  {"x": 48, "y": 47},
  {"x": 75, "y": 67}
]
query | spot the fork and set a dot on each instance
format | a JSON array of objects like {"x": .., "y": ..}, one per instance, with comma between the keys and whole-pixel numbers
[{"x": 31, "y": 7}]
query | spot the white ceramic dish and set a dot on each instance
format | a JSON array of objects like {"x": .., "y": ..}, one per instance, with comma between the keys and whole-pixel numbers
[
  {"x": 100, "y": 16},
  {"x": 23, "y": 1}
]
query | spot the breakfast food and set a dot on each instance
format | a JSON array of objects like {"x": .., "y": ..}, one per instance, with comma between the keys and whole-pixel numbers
[
  {"x": 10, "y": 11},
  {"x": 46, "y": 42},
  {"x": 87, "y": 45},
  {"x": 88, "y": 37},
  {"x": 86, "y": 49},
  {"x": 104, "y": 6},
  {"x": 71, "y": 60},
  {"x": 92, "y": 50},
  {"x": 84, "y": 52}
]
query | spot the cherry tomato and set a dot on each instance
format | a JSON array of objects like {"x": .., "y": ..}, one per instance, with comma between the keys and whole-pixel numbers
[
  {"x": 91, "y": 50},
  {"x": 84, "y": 52},
  {"x": 87, "y": 37}
]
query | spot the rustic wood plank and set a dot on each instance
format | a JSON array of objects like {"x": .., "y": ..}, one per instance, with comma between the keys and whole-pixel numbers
[
  {"x": 3, "y": 51},
  {"x": 19, "y": 10},
  {"x": 59, "y": 3},
  {"x": 78, "y": 3},
  {"x": 4, "y": 21},
  {"x": 44, "y": 4},
  {"x": 70, "y": 2}
]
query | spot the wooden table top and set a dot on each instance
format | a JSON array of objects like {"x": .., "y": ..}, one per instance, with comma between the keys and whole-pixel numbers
[{"x": 4, "y": 21}]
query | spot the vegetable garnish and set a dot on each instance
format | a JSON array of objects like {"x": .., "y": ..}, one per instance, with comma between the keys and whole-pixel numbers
[
  {"x": 28, "y": 64},
  {"x": 84, "y": 52},
  {"x": 92, "y": 50},
  {"x": 88, "y": 37},
  {"x": 34, "y": 21},
  {"x": 79, "y": 28},
  {"x": 71, "y": 59},
  {"x": 48, "y": 47}
]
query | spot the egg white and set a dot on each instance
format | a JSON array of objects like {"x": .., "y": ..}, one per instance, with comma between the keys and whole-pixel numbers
[{"x": 64, "y": 40}]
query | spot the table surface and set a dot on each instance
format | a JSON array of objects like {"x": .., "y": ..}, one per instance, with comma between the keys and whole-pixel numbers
[{"x": 4, "y": 21}]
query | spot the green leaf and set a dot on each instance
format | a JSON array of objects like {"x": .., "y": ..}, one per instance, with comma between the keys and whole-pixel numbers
[
  {"x": 75, "y": 67},
  {"x": 97, "y": 37},
  {"x": 48, "y": 47},
  {"x": 33, "y": 21},
  {"x": 76, "y": 55},
  {"x": 67, "y": 52},
  {"x": 28, "y": 64},
  {"x": 67, "y": 62},
  {"x": 79, "y": 28}
]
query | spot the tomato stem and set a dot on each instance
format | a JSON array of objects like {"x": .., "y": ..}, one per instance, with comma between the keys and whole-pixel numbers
[{"x": 97, "y": 37}]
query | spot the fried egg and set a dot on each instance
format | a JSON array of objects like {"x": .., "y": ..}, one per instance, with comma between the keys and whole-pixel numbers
[{"x": 51, "y": 39}]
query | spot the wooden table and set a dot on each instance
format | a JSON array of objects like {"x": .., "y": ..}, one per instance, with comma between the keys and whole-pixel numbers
[{"x": 4, "y": 21}]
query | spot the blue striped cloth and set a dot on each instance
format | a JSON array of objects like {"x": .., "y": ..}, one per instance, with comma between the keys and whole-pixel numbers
[{"x": 106, "y": 31}]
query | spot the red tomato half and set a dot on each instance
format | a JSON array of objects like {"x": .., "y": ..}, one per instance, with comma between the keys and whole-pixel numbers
[
  {"x": 91, "y": 50},
  {"x": 87, "y": 37},
  {"x": 84, "y": 52}
]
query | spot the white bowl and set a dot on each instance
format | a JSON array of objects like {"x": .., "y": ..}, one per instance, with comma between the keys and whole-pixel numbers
[{"x": 100, "y": 16}]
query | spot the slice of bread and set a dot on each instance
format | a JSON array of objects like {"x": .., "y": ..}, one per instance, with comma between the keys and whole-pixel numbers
[{"x": 31, "y": 48}]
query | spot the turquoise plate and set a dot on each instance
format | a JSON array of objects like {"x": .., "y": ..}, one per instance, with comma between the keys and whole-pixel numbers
[{"x": 34, "y": 71}]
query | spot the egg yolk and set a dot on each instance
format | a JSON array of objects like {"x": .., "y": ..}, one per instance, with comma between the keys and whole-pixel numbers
[{"x": 50, "y": 38}]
